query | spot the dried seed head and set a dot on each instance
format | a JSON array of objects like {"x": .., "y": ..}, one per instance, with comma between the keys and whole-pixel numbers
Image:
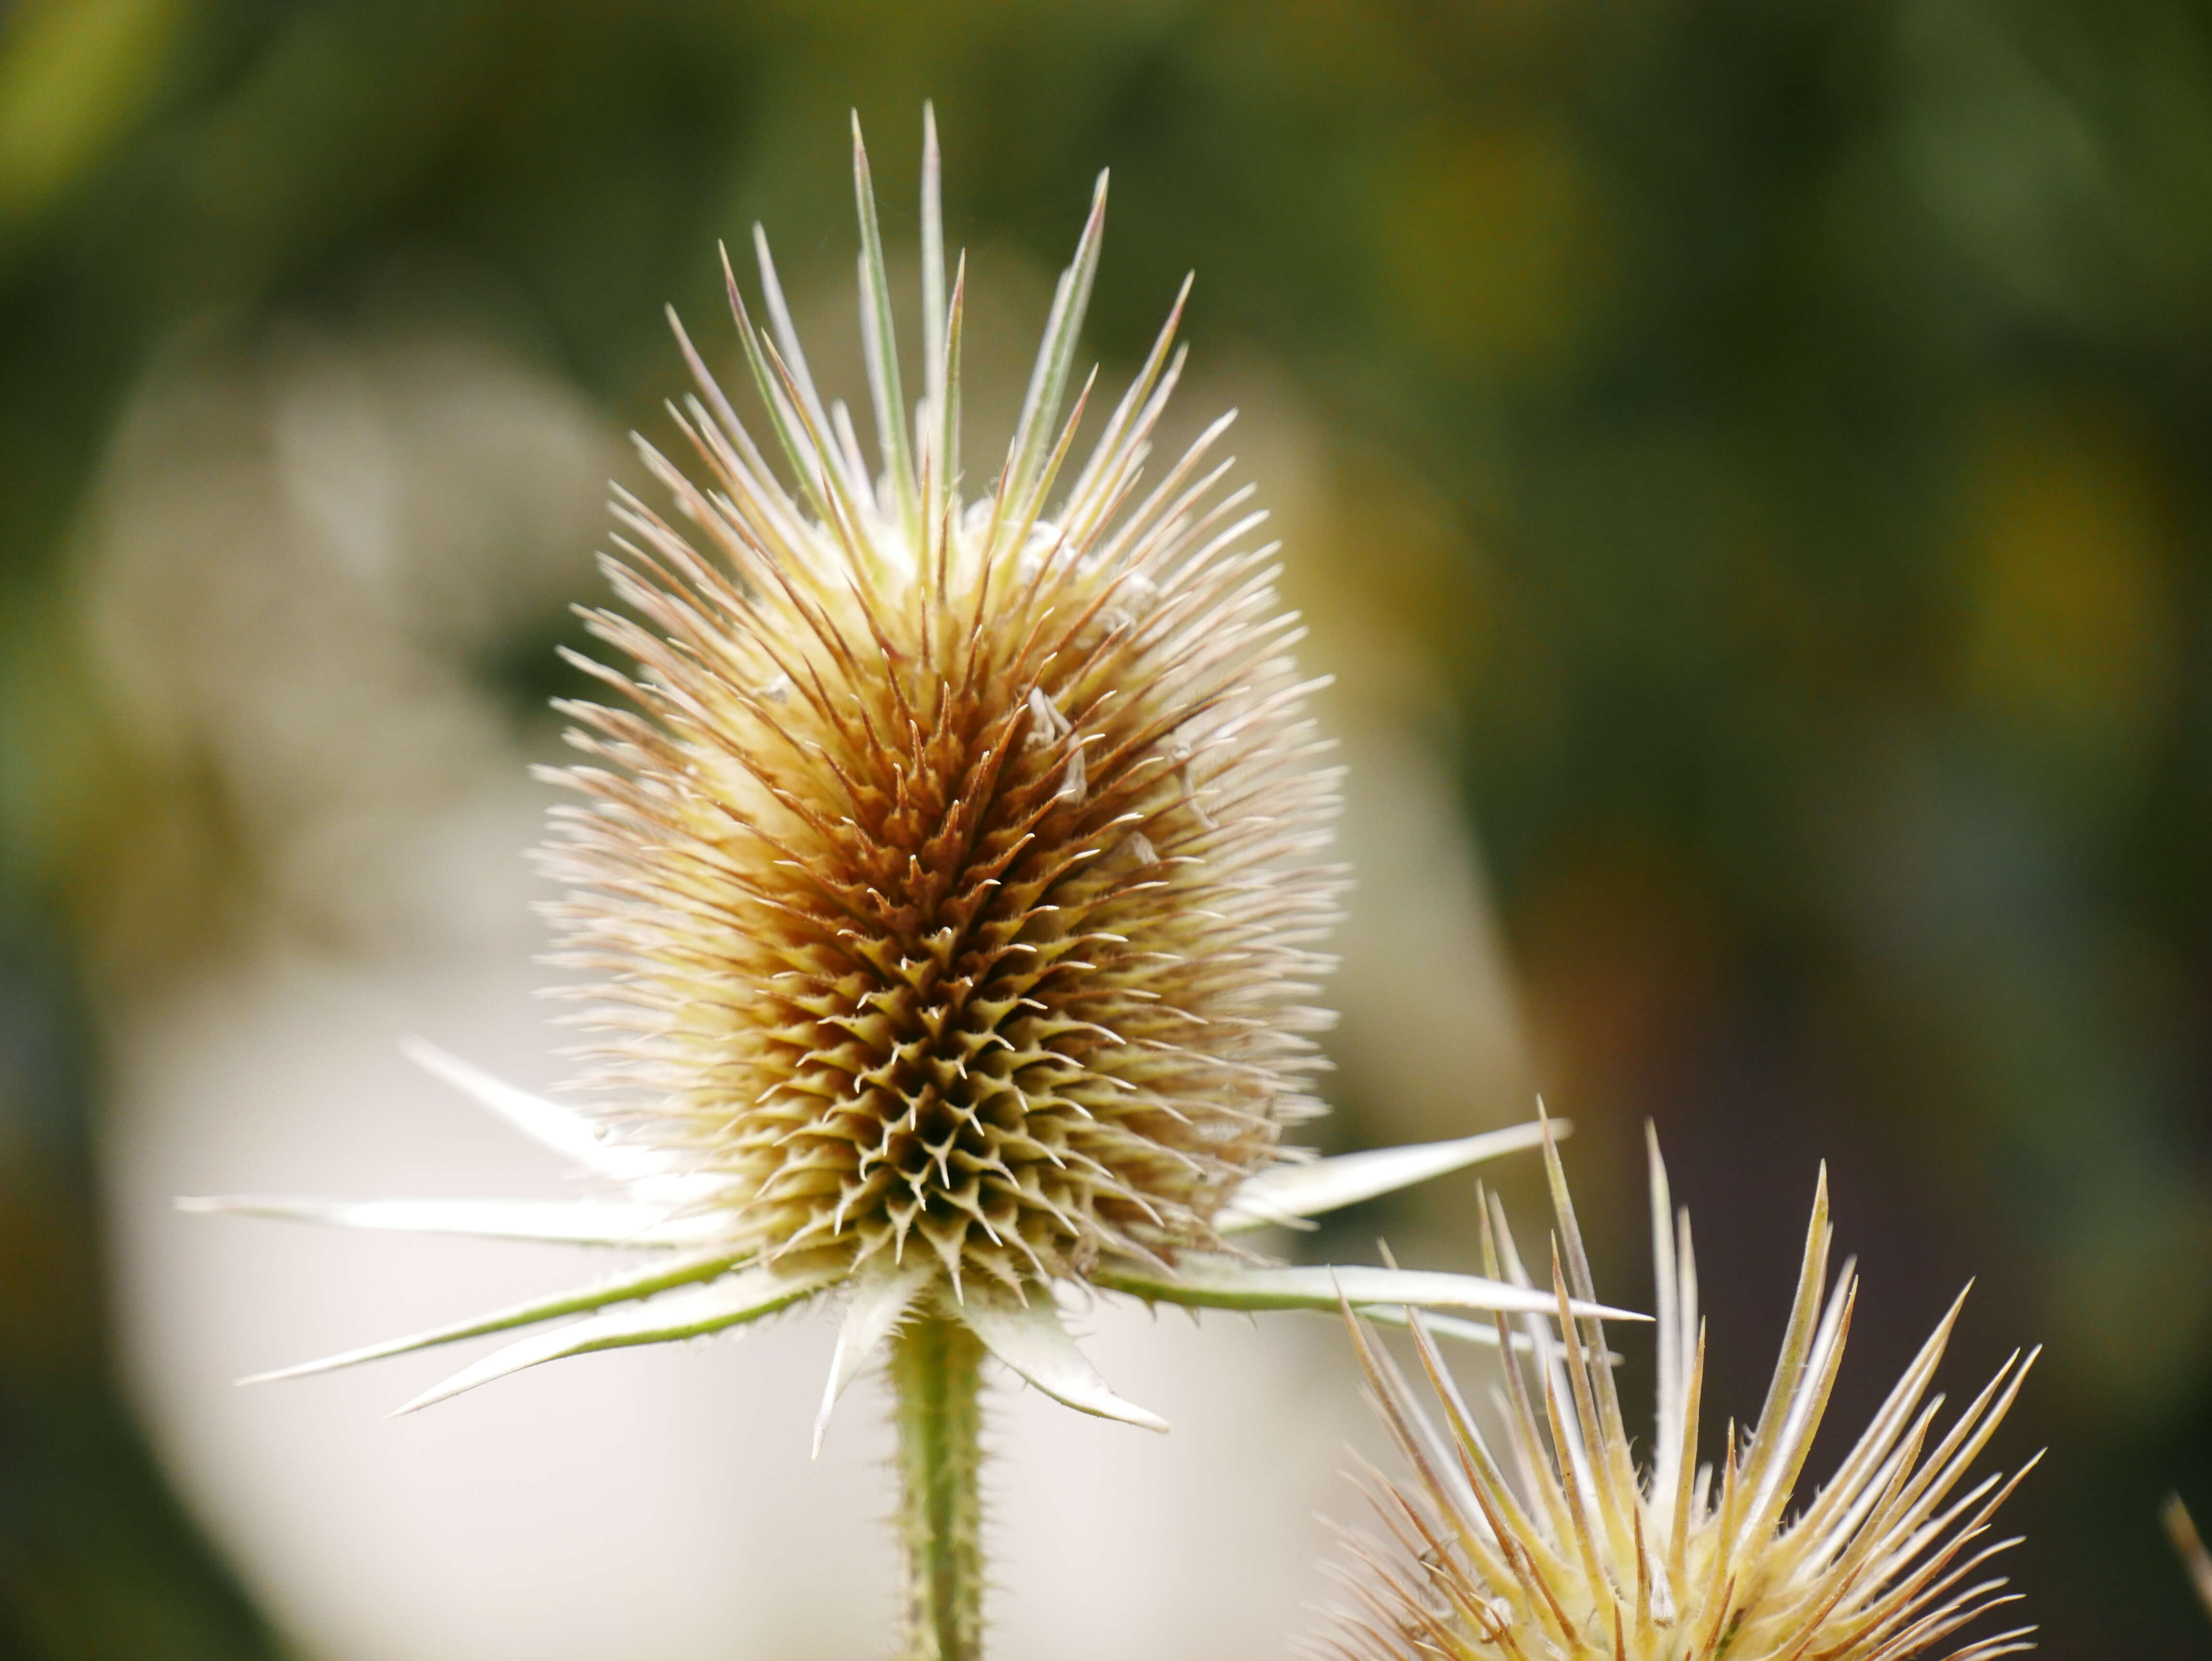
[
  {"x": 1579, "y": 1554},
  {"x": 953, "y": 877},
  {"x": 956, "y": 874}
]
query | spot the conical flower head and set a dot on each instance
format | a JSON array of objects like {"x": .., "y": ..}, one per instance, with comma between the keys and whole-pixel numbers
[
  {"x": 1578, "y": 1554},
  {"x": 956, "y": 870},
  {"x": 949, "y": 888}
]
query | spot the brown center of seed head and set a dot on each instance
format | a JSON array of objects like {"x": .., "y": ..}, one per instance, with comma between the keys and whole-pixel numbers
[{"x": 970, "y": 909}]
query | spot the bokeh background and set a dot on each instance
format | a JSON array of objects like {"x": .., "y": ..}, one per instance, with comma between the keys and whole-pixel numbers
[{"x": 1748, "y": 465}]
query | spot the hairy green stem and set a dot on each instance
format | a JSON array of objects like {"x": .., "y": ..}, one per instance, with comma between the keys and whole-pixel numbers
[{"x": 936, "y": 1373}]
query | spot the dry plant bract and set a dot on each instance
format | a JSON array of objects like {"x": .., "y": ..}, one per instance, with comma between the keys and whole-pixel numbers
[
  {"x": 1528, "y": 1533},
  {"x": 2189, "y": 1546}
]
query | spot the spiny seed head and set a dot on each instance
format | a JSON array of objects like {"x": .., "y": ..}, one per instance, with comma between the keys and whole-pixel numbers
[
  {"x": 950, "y": 884},
  {"x": 1578, "y": 1554},
  {"x": 953, "y": 870}
]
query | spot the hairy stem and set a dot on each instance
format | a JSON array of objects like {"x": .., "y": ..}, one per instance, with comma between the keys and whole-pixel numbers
[{"x": 936, "y": 1372}]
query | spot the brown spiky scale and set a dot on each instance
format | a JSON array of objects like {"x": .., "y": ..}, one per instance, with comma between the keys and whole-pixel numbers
[{"x": 954, "y": 883}]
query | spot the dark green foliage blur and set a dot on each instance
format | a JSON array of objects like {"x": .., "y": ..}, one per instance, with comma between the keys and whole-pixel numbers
[{"x": 1819, "y": 395}]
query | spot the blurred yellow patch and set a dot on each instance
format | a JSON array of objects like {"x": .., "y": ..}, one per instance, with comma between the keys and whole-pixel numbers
[
  {"x": 1492, "y": 243},
  {"x": 2068, "y": 643},
  {"x": 74, "y": 76}
]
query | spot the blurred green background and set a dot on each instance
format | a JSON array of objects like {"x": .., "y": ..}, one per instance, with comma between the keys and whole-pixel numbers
[{"x": 1788, "y": 426}]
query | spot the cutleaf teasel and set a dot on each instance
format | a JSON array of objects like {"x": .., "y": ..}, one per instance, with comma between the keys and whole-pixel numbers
[
  {"x": 950, "y": 884},
  {"x": 1527, "y": 1531}
]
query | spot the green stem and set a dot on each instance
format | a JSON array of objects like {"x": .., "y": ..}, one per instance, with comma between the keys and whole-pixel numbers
[{"x": 936, "y": 1372}]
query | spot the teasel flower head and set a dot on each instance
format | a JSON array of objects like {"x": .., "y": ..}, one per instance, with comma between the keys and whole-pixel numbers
[
  {"x": 953, "y": 874},
  {"x": 1528, "y": 1532}
]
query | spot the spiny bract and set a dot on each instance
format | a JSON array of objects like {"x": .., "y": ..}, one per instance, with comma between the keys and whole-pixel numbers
[
  {"x": 955, "y": 880},
  {"x": 1578, "y": 1556}
]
